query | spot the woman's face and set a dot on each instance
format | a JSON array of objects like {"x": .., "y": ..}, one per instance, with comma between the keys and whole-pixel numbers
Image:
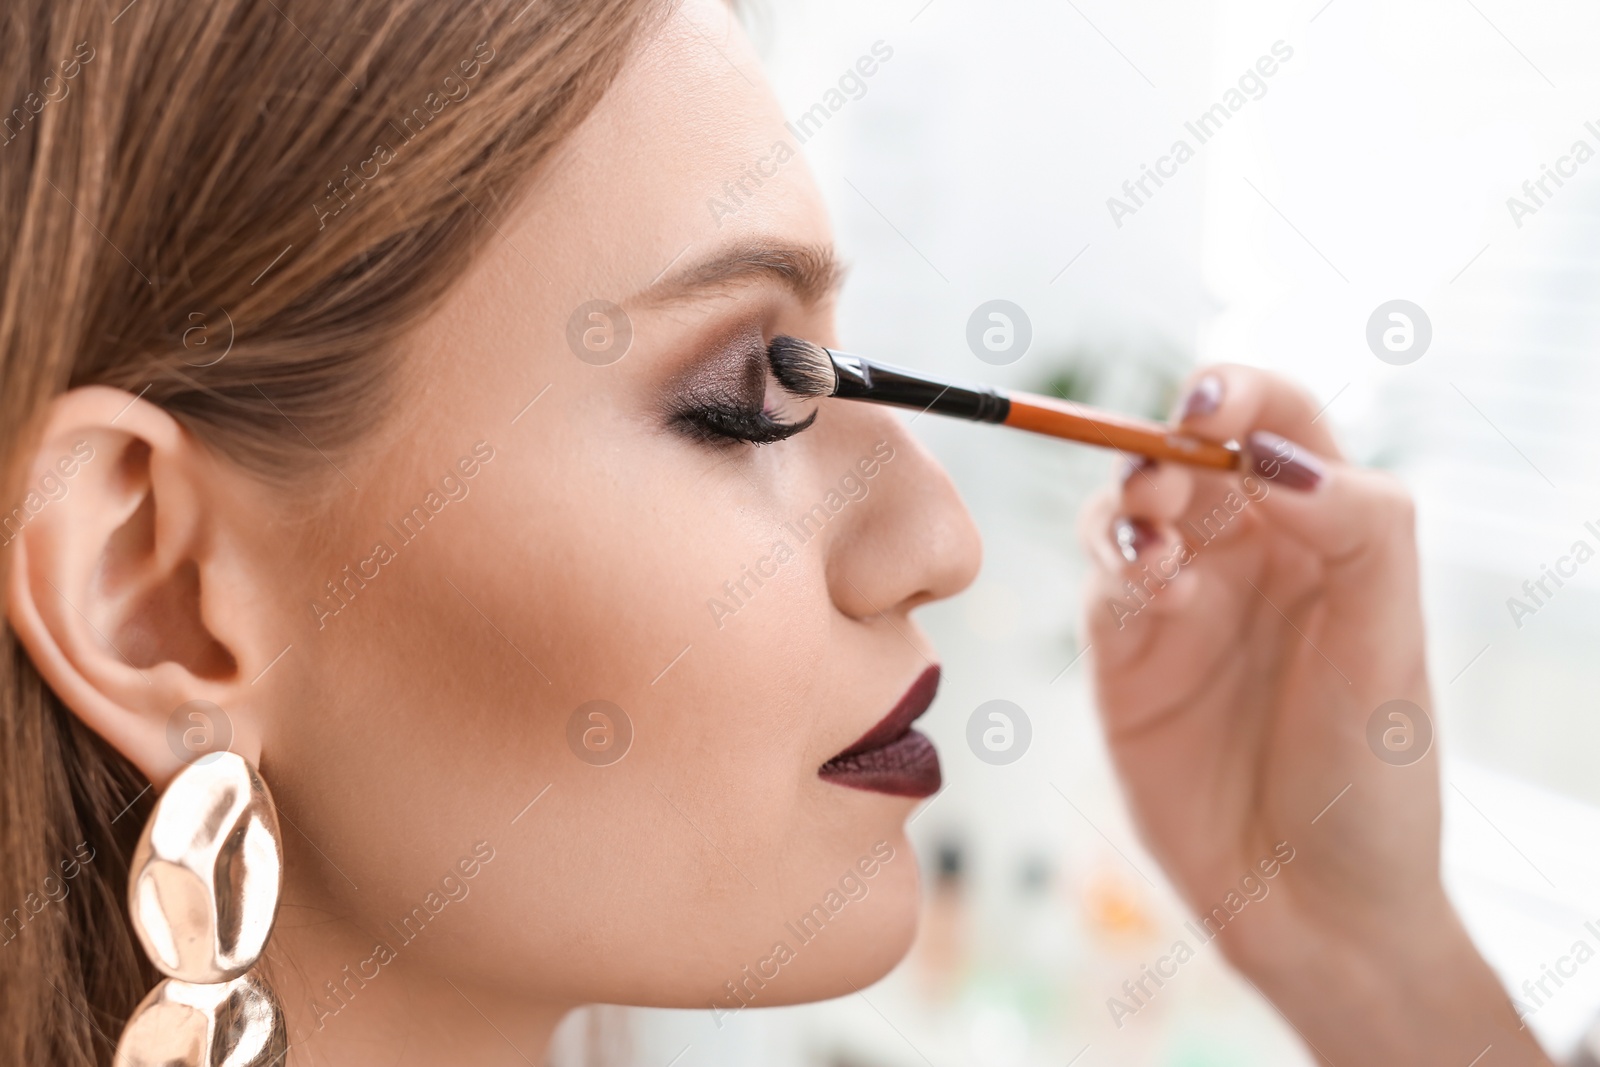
[{"x": 541, "y": 527}]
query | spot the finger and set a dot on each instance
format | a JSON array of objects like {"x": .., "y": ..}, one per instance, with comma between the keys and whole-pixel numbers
[
  {"x": 1338, "y": 511},
  {"x": 1095, "y": 521},
  {"x": 1149, "y": 656},
  {"x": 1159, "y": 492},
  {"x": 1228, "y": 401},
  {"x": 1117, "y": 542},
  {"x": 1113, "y": 646},
  {"x": 1140, "y": 563},
  {"x": 1219, "y": 507}
]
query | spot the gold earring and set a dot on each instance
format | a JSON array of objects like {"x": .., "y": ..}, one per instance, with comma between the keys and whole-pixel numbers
[{"x": 202, "y": 896}]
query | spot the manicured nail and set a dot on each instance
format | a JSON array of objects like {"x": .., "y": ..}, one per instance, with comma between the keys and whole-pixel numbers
[
  {"x": 1282, "y": 462},
  {"x": 1204, "y": 399},
  {"x": 1134, "y": 466},
  {"x": 1132, "y": 537}
]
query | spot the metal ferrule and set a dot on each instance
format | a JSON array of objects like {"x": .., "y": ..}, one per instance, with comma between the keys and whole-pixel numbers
[{"x": 863, "y": 379}]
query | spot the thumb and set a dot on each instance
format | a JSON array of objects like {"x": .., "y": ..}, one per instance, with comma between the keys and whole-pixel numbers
[{"x": 1336, "y": 510}]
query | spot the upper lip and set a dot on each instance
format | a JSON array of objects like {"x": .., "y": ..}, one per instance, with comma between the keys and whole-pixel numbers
[{"x": 897, "y": 723}]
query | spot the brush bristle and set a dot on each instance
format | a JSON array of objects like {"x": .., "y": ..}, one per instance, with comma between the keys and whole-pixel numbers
[{"x": 802, "y": 367}]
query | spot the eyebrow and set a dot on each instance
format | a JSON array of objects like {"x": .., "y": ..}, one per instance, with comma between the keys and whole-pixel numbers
[{"x": 811, "y": 272}]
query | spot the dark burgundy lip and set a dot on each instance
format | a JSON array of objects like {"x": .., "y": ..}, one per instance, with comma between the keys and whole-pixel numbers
[
  {"x": 891, "y": 757},
  {"x": 897, "y": 723}
]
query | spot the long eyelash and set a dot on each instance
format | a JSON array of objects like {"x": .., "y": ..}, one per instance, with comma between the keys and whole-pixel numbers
[{"x": 734, "y": 424}]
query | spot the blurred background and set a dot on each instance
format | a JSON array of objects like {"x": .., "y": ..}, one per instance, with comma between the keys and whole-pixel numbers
[{"x": 1374, "y": 164}]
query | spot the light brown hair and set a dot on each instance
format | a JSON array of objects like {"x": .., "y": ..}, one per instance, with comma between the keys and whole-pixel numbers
[{"x": 305, "y": 177}]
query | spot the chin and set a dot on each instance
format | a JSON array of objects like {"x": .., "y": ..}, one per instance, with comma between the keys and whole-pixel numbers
[{"x": 861, "y": 944}]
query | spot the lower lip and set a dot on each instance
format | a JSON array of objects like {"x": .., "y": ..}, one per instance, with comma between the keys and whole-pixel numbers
[{"x": 905, "y": 767}]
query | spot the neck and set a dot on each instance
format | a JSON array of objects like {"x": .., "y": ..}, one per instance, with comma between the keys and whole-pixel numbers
[{"x": 360, "y": 998}]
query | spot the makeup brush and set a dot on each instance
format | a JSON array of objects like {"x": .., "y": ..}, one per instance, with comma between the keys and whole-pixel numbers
[{"x": 808, "y": 369}]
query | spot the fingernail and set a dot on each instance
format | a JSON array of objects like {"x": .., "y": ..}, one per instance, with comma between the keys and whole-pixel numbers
[
  {"x": 1204, "y": 399},
  {"x": 1132, "y": 537},
  {"x": 1134, "y": 466},
  {"x": 1282, "y": 462}
]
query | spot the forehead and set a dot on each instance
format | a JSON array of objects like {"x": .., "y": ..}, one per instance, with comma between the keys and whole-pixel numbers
[{"x": 686, "y": 157}]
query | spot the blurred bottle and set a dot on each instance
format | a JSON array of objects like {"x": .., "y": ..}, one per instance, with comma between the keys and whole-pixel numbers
[
  {"x": 1124, "y": 939},
  {"x": 1042, "y": 951},
  {"x": 943, "y": 947}
]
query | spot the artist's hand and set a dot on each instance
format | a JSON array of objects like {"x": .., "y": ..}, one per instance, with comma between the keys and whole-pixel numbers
[{"x": 1271, "y": 614}]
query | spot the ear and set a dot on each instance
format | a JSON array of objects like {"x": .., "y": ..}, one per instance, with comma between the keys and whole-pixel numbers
[{"x": 126, "y": 588}]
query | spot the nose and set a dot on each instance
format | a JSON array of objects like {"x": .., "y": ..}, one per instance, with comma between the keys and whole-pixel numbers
[{"x": 910, "y": 539}]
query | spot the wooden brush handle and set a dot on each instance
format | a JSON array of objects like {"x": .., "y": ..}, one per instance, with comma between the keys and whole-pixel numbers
[{"x": 1076, "y": 422}]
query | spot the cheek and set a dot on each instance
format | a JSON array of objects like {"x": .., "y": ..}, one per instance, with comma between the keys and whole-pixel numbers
[
  {"x": 678, "y": 595},
  {"x": 547, "y": 589},
  {"x": 687, "y": 620}
]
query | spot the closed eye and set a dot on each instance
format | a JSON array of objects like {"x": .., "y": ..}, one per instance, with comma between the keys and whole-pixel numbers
[
  {"x": 734, "y": 398},
  {"x": 714, "y": 423}
]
